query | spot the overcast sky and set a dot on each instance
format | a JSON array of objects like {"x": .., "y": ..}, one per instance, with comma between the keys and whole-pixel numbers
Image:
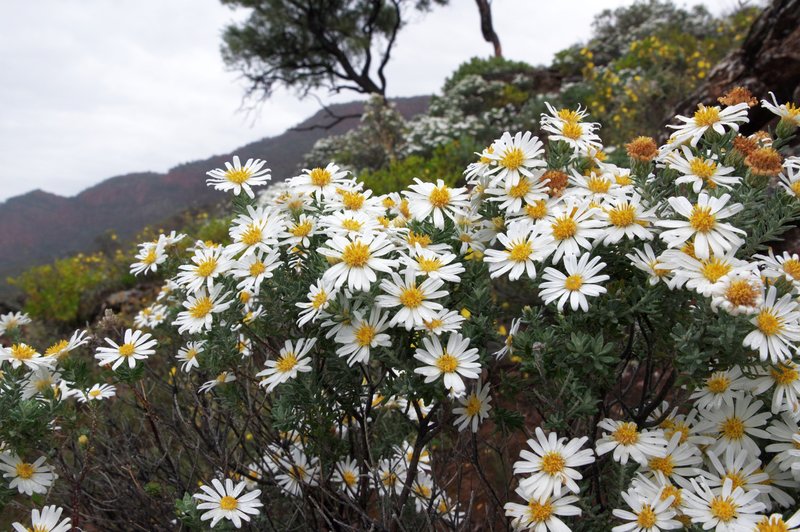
[{"x": 96, "y": 88}]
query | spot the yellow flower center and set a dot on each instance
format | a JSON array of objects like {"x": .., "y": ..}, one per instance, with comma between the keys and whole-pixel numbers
[
  {"x": 22, "y": 351},
  {"x": 718, "y": 383},
  {"x": 151, "y": 256},
  {"x": 206, "y": 267},
  {"x": 598, "y": 185},
  {"x": 732, "y": 428},
  {"x": 473, "y": 406},
  {"x": 564, "y": 228},
  {"x": 95, "y": 393},
  {"x": 440, "y": 197},
  {"x": 646, "y": 517},
  {"x": 421, "y": 490},
  {"x": 520, "y": 189},
  {"x": 257, "y": 268},
  {"x": 626, "y": 434},
  {"x": 706, "y": 116},
  {"x": 356, "y": 254},
  {"x": 433, "y": 324},
  {"x": 672, "y": 491},
  {"x": 537, "y": 211},
  {"x": 447, "y": 363},
  {"x": 792, "y": 267},
  {"x": 785, "y": 374},
  {"x": 365, "y": 335},
  {"x": 228, "y": 503},
  {"x": 553, "y": 463},
  {"x": 320, "y": 299},
  {"x": 252, "y": 235},
  {"x": 713, "y": 269},
  {"x": 56, "y": 348},
  {"x": 190, "y": 353},
  {"x": 302, "y": 229},
  {"x": 411, "y": 297},
  {"x": 742, "y": 293},
  {"x": 569, "y": 115},
  {"x": 353, "y": 200},
  {"x": 286, "y": 363},
  {"x": 736, "y": 479},
  {"x": 512, "y": 158},
  {"x": 349, "y": 478},
  {"x": 573, "y": 282},
  {"x": 723, "y": 509},
  {"x": 201, "y": 307},
  {"x": 520, "y": 252},
  {"x": 772, "y": 524},
  {"x": 703, "y": 168},
  {"x": 238, "y": 175},
  {"x": 320, "y": 177},
  {"x": 795, "y": 186},
  {"x": 768, "y": 323},
  {"x": 538, "y": 512},
  {"x": 572, "y": 130},
  {"x": 415, "y": 238},
  {"x": 25, "y": 470},
  {"x": 622, "y": 215},
  {"x": 429, "y": 265},
  {"x": 126, "y": 350},
  {"x": 351, "y": 225},
  {"x": 665, "y": 465},
  {"x": 701, "y": 219}
]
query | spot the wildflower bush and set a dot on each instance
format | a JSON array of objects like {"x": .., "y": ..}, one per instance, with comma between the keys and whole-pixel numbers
[{"x": 559, "y": 344}]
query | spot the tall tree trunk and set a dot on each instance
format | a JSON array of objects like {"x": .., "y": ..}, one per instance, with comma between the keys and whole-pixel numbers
[{"x": 487, "y": 28}]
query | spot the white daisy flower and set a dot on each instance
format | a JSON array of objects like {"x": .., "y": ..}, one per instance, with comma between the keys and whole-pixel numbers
[
  {"x": 523, "y": 245},
  {"x": 358, "y": 257},
  {"x": 40, "y": 381},
  {"x": 566, "y": 125},
  {"x": 738, "y": 292},
  {"x": 351, "y": 222},
  {"x": 236, "y": 177},
  {"x": 702, "y": 172},
  {"x": 187, "y": 355},
  {"x": 319, "y": 298},
  {"x": 678, "y": 462},
  {"x": 514, "y": 198},
  {"x": 790, "y": 177},
  {"x": 439, "y": 200},
  {"x": 541, "y": 514},
  {"x": 149, "y": 257},
  {"x": 298, "y": 471},
  {"x": 704, "y": 118},
  {"x": 11, "y": 322},
  {"x": 223, "y": 378},
  {"x": 627, "y": 218},
  {"x": 777, "y": 330},
  {"x": 581, "y": 281},
  {"x": 347, "y": 476},
  {"x": 788, "y": 111},
  {"x": 98, "y": 392},
  {"x": 785, "y": 377},
  {"x": 353, "y": 200},
  {"x": 46, "y": 520},
  {"x": 253, "y": 269},
  {"x": 777, "y": 523},
  {"x": 136, "y": 345},
  {"x": 646, "y": 261},
  {"x": 720, "y": 387},
  {"x": 390, "y": 476},
  {"x": 445, "y": 321},
  {"x": 594, "y": 188},
  {"x": 552, "y": 464},
  {"x": 298, "y": 232},
  {"x": 208, "y": 264},
  {"x": 256, "y": 231},
  {"x": 734, "y": 425},
  {"x": 786, "y": 433},
  {"x": 434, "y": 265},
  {"x": 227, "y": 502},
  {"x": 200, "y": 309},
  {"x": 514, "y": 157},
  {"x": 292, "y": 359},
  {"x": 725, "y": 509},
  {"x": 415, "y": 301},
  {"x": 27, "y": 478},
  {"x": 572, "y": 224},
  {"x": 702, "y": 275},
  {"x": 702, "y": 223},
  {"x": 626, "y": 440},
  {"x": 22, "y": 354},
  {"x": 361, "y": 335},
  {"x": 739, "y": 466},
  {"x": 474, "y": 408},
  {"x": 508, "y": 345},
  {"x": 786, "y": 265},
  {"x": 452, "y": 362},
  {"x": 319, "y": 182},
  {"x": 649, "y": 514}
]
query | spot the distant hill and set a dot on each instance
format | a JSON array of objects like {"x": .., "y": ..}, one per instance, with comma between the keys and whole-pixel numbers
[{"x": 38, "y": 227}]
